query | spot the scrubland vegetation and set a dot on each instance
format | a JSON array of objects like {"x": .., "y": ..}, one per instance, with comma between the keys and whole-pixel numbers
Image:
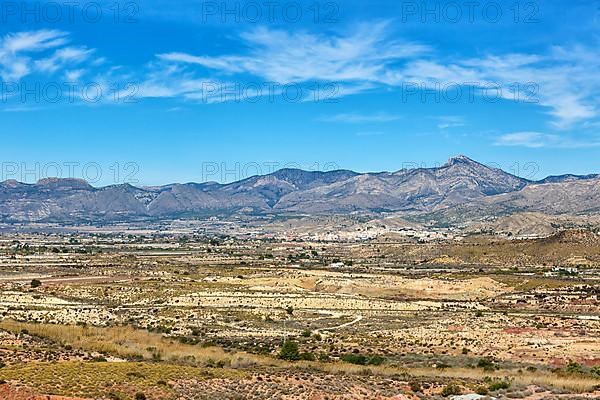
[{"x": 154, "y": 317}]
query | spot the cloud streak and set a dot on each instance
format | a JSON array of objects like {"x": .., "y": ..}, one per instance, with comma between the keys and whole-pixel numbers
[
  {"x": 563, "y": 82},
  {"x": 280, "y": 56},
  {"x": 16, "y": 50},
  {"x": 538, "y": 140},
  {"x": 356, "y": 118}
]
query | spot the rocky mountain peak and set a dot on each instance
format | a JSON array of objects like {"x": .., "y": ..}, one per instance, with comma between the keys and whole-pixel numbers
[{"x": 461, "y": 159}]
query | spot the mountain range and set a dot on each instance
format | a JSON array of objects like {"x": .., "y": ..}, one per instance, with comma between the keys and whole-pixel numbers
[{"x": 460, "y": 189}]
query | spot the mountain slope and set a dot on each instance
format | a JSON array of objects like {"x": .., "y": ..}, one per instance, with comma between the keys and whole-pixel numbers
[
  {"x": 461, "y": 189},
  {"x": 460, "y": 180},
  {"x": 579, "y": 197}
]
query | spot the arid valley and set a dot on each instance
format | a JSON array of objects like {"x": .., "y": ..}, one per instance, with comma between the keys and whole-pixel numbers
[
  {"x": 117, "y": 315},
  {"x": 299, "y": 200}
]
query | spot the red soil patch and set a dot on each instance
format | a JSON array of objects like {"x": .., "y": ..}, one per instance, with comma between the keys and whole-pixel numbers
[
  {"x": 590, "y": 362},
  {"x": 456, "y": 328},
  {"x": 557, "y": 362}
]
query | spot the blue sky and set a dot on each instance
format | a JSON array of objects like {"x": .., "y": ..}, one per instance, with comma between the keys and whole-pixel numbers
[{"x": 152, "y": 92}]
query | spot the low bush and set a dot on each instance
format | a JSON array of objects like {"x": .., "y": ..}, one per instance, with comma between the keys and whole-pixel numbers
[
  {"x": 360, "y": 359},
  {"x": 498, "y": 385},
  {"x": 289, "y": 351},
  {"x": 451, "y": 390},
  {"x": 574, "y": 368},
  {"x": 487, "y": 364}
]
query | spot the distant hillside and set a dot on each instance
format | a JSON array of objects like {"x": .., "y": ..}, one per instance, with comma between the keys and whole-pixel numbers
[
  {"x": 460, "y": 190},
  {"x": 576, "y": 198}
]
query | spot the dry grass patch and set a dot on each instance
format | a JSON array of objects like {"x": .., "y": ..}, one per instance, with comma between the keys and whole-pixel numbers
[
  {"x": 574, "y": 383},
  {"x": 97, "y": 379},
  {"x": 130, "y": 343}
]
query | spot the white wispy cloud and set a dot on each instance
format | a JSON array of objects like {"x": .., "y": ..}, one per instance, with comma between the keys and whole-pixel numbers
[
  {"x": 33, "y": 41},
  {"x": 63, "y": 57},
  {"x": 356, "y": 118},
  {"x": 536, "y": 140},
  {"x": 19, "y": 109},
  {"x": 42, "y": 51},
  {"x": 284, "y": 57},
  {"x": 525, "y": 139},
  {"x": 563, "y": 81},
  {"x": 369, "y": 133},
  {"x": 15, "y": 61},
  {"x": 46, "y": 56},
  {"x": 564, "y": 87},
  {"x": 368, "y": 59},
  {"x": 450, "y": 121},
  {"x": 74, "y": 75}
]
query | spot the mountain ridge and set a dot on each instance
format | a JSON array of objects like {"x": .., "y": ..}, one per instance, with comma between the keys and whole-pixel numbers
[{"x": 461, "y": 187}]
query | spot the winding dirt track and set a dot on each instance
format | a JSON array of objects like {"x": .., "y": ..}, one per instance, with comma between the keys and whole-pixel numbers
[{"x": 333, "y": 328}]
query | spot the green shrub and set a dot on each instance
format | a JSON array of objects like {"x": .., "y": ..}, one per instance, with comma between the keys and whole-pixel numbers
[
  {"x": 487, "y": 364},
  {"x": 307, "y": 356},
  {"x": 482, "y": 390},
  {"x": 451, "y": 390},
  {"x": 376, "y": 360},
  {"x": 574, "y": 368},
  {"x": 289, "y": 351},
  {"x": 498, "y": 384},
  {"x": 360, "y": 359},
  {"x": 36, "y": 283}
]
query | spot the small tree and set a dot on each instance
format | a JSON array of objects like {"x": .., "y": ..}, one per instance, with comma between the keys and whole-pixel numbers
[
  {"x": 289, "y": 351},
  {"x": 36, "y": 283}
]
